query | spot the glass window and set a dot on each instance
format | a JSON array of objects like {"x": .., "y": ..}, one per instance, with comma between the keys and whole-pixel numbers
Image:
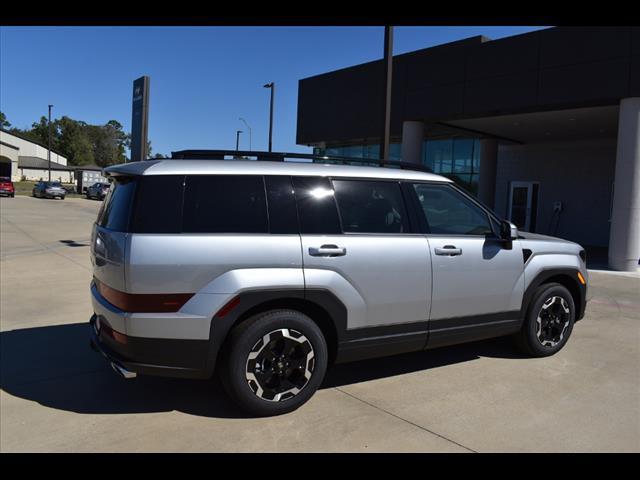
[
  {"x": 449, "y": 212},
  {"x": 462, "y": 153},
  {"x": 158, "y": 206},
  {"x": 316, "y": 206},
  {"x": 224, "y": 204},
  {"x": 283, "y": 217},
  {"x": 114, "y": 212},
  {"x": 439, "y": 155},
  {"x": 370, "y": 206}
]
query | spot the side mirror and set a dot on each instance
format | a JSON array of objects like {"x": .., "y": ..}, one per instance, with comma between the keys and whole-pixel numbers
[{"x": 508, "y": 231}]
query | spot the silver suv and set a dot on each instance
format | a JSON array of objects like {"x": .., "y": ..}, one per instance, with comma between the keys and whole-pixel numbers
[{"x": 268, "y": 272}]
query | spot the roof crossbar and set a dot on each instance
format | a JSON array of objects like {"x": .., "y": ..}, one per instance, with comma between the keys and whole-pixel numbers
[{"x": 283, "y": 156}]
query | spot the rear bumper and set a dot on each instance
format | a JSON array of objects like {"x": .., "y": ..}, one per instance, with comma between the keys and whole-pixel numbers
[{"x": 148, "y": 356}]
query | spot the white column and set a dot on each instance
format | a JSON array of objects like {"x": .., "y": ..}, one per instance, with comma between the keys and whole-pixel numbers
[
  {"x": 412, "y": 140},
  {"x": 624, "y": 237},
  {"x": 488, "y": 168}
]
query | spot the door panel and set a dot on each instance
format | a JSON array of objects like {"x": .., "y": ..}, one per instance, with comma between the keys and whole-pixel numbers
[
  {"x": 474, "y": 273},
  {"x": 391, "y": 273},
  {"x": 484, "y": 278}
]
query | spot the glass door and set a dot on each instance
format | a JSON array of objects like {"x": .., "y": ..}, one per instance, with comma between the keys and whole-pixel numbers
[{"x": 523, "y": 203}]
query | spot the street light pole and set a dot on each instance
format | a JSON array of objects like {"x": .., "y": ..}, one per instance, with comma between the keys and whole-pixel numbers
[
  {"x": 249, "y": 128},
  {"x": 388, "y": 76},
  {"x": 49, "y": 149},
  {"x": 238, "y": 132},
  {"x": 272, "y": 86}
]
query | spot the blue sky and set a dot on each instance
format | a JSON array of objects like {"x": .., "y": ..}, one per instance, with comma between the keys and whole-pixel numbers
[{"x": 202, "y": 78}]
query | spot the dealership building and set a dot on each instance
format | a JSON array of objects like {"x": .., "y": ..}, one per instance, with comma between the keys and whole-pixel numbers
[
  {"x": 21, "y": 158},
  {"x": 543, "y": 127}
]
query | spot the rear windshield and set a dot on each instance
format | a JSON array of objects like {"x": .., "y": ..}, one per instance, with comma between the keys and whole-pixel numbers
[{"x": 116, "y": 208}]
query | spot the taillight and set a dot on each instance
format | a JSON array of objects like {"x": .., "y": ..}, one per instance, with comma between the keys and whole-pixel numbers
[{"x": 143, "y": 302}]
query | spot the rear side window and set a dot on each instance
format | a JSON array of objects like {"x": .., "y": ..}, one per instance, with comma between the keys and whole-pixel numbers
[
  {"x": 224, "y": 204},
  {"x": 116, "y": 208},
  {"x": 283, "y": 217},
  {"x": 158, "y": 204},
  {"x": 371, "y": 206},
  {"x": 317, "y": 210}
]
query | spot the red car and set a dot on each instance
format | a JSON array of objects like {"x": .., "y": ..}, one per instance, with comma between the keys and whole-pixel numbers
[{"x": 6, "y": 187}]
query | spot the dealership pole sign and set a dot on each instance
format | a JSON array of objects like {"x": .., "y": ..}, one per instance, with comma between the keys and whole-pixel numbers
[{"x": 140, "y": 119}]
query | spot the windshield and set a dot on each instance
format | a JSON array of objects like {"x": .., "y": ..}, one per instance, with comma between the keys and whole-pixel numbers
[{"x": 53, "y": 184}]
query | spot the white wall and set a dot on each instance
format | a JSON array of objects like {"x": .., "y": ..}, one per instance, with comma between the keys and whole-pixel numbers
[
  {"x": 56, "y": 175},
  {"x": 580, "y": 174}
]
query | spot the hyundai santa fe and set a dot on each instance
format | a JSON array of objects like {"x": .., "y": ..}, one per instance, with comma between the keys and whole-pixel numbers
[{"x": 268, "y": 272}]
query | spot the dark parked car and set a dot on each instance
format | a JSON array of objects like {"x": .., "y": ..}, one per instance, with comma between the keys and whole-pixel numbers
[
  {"x": 49, "y": 190},
  {"x": 6, "y": 187},
  {"x": 98, "y": 190}
]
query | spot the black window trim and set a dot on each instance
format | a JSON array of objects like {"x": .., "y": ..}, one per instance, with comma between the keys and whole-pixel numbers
[{"x": 298, "y": 229}]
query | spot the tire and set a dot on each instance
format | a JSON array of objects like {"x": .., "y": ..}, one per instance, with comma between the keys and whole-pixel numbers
[
  {"x": 549, "y": 321},
  {"x": 246, "y": 353}
]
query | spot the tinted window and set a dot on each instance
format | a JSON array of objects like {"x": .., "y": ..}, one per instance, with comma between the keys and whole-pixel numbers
[
  {"x": 450, "y": 212},
  {"x": 158, "y": 204},
  {"x": 283, "y": 217},
  {"x": 224, "y": 204},
  {"x": 370, "y": 206},
  {"x": 114, "y": 213},
  {"x": 317, "y": 210}
]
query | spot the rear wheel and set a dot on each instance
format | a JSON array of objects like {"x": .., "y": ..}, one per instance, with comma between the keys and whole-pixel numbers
[
  {"x": 274, "y": 362},
  {"x": 549, "y": 321}
]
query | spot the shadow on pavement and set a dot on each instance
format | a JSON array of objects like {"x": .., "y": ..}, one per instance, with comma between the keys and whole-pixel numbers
[
  {"x": 73, "y": 243},
  {"x": 55, "y": 367}
]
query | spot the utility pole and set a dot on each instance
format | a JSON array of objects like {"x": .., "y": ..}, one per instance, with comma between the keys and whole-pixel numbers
[
  {"x": 272, "y": 86},
  {"x": 49, "y": 149},
  {"x": 249, "y": 128},
  {"x": 388, "y": 77}
]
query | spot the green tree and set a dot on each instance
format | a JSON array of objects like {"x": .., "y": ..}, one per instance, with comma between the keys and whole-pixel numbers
[
  {"x": 4, "y": 123},
  {"x": 74, "y": 142}
]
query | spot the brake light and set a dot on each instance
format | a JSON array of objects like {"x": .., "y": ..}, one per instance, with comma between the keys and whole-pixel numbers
[{"x": 143, "y": 302}]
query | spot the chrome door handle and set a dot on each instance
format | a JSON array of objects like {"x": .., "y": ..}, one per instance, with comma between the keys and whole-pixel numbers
[
  {"x": 448, "y": 250},
  {"x": 327, "y": 251}
]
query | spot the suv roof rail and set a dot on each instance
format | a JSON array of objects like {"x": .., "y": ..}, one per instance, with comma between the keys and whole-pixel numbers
[{"x": 283, "y": 156}]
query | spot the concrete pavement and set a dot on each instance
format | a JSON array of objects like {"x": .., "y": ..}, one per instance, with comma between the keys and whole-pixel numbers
[{"x": 57, "y": 395}]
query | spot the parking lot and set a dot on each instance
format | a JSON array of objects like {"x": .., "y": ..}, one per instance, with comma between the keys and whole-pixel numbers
[{"x": 58, "y": 395}]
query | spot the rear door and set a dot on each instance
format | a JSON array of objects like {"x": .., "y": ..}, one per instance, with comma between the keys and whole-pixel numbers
[{"x": 366, "y": 252}]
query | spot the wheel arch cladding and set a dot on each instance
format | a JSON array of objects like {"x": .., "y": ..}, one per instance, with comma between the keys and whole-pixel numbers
[
  {"x": 321, "y": 306},
  {"x": 315, "y": 312},
  {"x": 565, "y": 277}
]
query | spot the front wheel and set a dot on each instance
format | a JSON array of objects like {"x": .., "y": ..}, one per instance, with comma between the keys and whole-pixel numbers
[
  {"x": 274, "y": 362},
  {"x": 549, "y": 321}
]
